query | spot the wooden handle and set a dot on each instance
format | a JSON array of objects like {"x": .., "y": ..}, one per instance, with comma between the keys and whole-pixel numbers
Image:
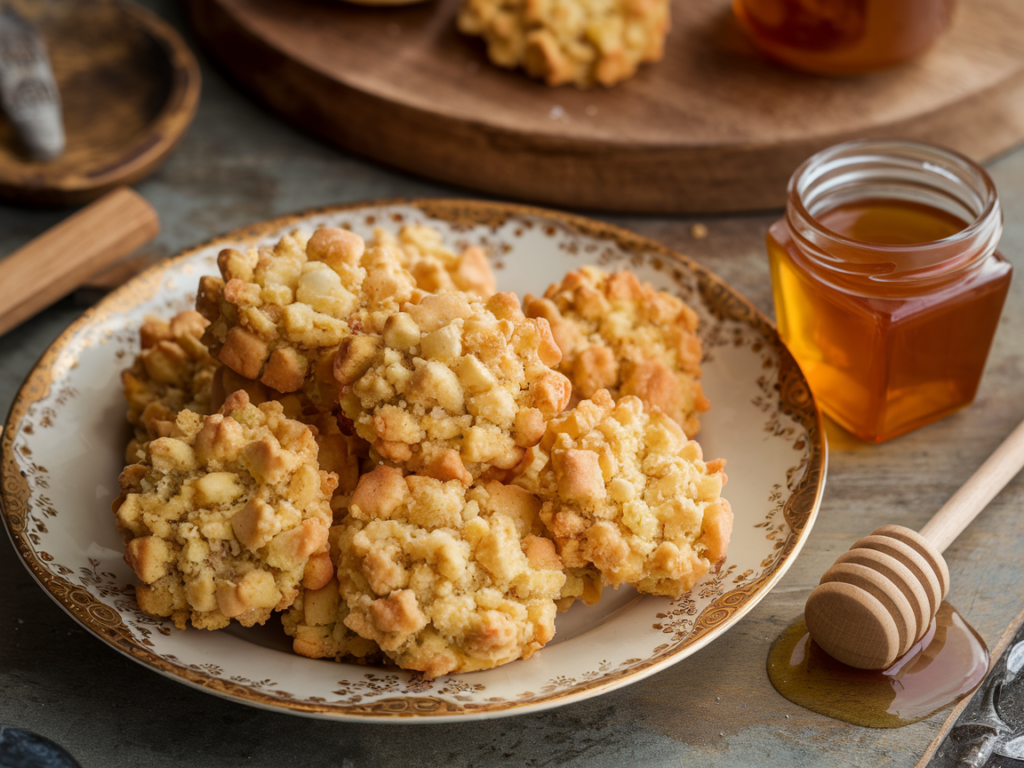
[
  {"x": 117, "y": 274},
  {"x": 880, "y": 597},
  {"x": 977, "y": 492},
  {"x": 65, "y": 256}
]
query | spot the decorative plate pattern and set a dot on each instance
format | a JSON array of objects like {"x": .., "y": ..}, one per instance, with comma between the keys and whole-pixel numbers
[{"x": 62, "y": 448}]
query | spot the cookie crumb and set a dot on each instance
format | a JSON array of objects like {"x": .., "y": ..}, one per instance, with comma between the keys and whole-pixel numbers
[{"x": 698, "y": 231}]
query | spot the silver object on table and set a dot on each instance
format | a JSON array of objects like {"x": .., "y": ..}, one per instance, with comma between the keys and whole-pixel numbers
[
  {"x": 28, "y": 90},
  {"x": 1014, "y": 662},
  {"x": 987, "y": 732}
]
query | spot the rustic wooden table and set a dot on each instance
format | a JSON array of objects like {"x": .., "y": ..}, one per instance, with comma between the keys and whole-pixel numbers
[{"x": 237, "y": 165}]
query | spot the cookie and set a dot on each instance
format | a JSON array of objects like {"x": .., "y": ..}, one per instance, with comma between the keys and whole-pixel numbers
[
  {"x": 619, "y": 334},
  {"x": 582, "y": 42},
  {"x": 174, "y": 371},
  {"x": 436, "y": 268},
  {"x": 581, "y": 583},
  {"x": 446, "y": 579},
  {"x": 316, "y": 620},
  {"x": 625, "y": 491},
  {"x": 221, "y": 517},
  {"x": 453, "y": 388},
  {"x": 339, "y": 453},
  {"x": 278, "y": 313}
]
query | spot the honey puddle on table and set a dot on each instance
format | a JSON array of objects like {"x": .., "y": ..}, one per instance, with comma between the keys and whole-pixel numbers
[{"x": 946, "y": 665}]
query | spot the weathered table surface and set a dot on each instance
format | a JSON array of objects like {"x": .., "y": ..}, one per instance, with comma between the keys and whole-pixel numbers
[{"x": 237, "y": 165}]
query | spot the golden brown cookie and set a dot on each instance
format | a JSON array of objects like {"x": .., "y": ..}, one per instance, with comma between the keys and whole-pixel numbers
[
  {"x": 446, "y": 579},
  {"x": 316, "y": 620},
  {"x": 453, "y": 388},
  {"x": 622, "y": 335},
  {"x": 582, "y": 42},
  {"x": 277, "y": 314},
  {"x": 581, "y": 583},
  {"x": 624, "y": 491},
  {"x": 221, "y": 517},
  {"x": 173, "y": 372},
  {"x": 435, "y": 267},
  {"x": 340, "y": 453}
]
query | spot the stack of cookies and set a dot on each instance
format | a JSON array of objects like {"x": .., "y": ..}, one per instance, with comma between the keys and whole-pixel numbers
[{"x": 407, "y": 465}]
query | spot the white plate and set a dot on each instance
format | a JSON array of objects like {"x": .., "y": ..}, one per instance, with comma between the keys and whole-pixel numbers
[{"x": 62, "y": 449}]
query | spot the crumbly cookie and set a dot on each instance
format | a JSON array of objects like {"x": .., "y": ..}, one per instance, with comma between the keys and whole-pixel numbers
[
  {"x": 222, "y": 516},
  {"x": 622, "y": 335},
  {"x": 278, "y": 313},
  {"x": 438, "y": 269},
  {"x": 582, "y": 42},
  {"x": 315, "y": 621},
  {"x": 581, "y": 583},
  {"x": 340, "y": 453},
  {"x": 626, "y": 492},
  {"x": 453, "y": 388},
  {"x": 446, "y": 579},
  {"x": 173, "y": 372}
]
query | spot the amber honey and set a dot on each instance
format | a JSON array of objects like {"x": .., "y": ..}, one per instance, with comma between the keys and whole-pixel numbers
[
  {"x": 889, "y": 304},
  {"x": 942, "y": 668},
  {"x": 843, "y": 37}
]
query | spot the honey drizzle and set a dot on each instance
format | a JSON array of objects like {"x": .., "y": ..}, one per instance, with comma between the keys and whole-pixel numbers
[{"x": 946, "y": 665}]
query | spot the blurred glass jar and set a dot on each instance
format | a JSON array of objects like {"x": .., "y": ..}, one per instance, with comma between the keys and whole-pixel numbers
[{"x": 843, "y": 37}]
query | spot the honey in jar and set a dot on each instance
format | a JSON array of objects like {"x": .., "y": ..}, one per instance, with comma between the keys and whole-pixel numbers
[
  {"x": 843, "y": 37},
  {"x": 887, "y": 284}
]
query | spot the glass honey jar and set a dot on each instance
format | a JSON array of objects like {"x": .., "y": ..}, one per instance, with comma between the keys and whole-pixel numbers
[
  {"x": 843, "y": 37},
  {"x": 887, "y": 283}
]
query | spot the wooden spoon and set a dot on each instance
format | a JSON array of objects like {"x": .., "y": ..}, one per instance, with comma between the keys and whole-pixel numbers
[{"x": 881, "y": 596}]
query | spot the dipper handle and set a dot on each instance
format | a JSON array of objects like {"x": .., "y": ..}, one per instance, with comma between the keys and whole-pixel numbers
[
  {"x": 879, "y": 598},
  {"x": 991, "y": 477}
]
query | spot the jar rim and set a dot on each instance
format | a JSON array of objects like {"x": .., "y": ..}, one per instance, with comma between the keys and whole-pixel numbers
[{"x": 861, "y": 149}]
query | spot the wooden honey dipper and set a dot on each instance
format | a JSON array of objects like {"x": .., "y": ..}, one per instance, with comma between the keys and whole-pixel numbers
[{"x": 881, "y": 596}]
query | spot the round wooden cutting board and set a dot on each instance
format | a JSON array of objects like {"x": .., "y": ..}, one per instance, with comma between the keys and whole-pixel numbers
[{"x": 712, "y": 127}]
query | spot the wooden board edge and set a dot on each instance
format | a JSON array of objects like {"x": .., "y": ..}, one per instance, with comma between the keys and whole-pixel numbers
[{"x": 560, "y": 173}]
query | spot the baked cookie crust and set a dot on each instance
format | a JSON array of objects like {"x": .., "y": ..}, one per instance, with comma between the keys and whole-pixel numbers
[
  {"x": 446, "y": 579},
  {"x": 625, "y": 492},
  {"x": 582, "y": 42},
  {"x": 316, "y": 620},
  {"x": 453, "y": 388},
  {"x": 278, "y": 313},
  {"x": 221, "y": 517},
  {"x": 173, "y": 371},
  {"x": 619, "y": 334},
  {"x": 435, "y": 267}
]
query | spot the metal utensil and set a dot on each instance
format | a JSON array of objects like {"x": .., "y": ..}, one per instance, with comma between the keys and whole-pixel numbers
[{"x": 28, "y": 89}]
